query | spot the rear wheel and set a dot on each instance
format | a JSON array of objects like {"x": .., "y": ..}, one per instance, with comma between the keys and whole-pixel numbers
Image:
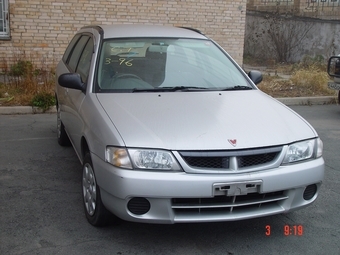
[{"x": 96, "y": 213}]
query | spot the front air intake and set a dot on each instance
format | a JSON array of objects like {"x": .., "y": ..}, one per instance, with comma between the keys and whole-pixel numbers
[
  {"x": 138, "y": 205},
  {"x": 310, "y": 192}
]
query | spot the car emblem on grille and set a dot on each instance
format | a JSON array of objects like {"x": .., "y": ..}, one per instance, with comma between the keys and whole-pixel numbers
[{"x": 233, "y": 142}]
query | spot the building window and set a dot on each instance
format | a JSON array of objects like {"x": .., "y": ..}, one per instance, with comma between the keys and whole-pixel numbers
[{"x": 4, "y": 19}]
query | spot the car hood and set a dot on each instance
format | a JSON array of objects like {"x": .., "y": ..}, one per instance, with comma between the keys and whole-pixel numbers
[{"x": 203, "y": 120}]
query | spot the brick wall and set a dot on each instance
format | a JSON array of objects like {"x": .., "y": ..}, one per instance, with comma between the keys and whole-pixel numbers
[{"x": 41, "y": 29}]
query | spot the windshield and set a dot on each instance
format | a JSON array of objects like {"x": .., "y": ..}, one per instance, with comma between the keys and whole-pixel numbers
[{"x": 159, "y": 64}]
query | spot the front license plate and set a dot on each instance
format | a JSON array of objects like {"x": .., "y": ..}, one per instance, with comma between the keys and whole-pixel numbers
[{"x": 237, "y": 188}]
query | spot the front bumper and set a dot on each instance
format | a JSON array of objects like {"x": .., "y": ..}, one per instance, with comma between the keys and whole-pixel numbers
[{"x": 178, "y": 197}]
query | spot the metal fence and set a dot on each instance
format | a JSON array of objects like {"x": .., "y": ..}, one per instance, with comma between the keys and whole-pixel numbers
[
  {"x": 325, "y": 5},
  {"x": 309, "y": 3},
  {"x": 277, "y": 2}
]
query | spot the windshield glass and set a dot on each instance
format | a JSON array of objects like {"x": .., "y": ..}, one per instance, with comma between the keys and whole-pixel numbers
[{"x": 161, "y": 64}]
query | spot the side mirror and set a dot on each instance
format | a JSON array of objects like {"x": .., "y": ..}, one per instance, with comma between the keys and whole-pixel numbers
[
  {"x": 333, "y": 67},
  {"x": 71, "y": 81},
  {"x": 255, "y": 76}
]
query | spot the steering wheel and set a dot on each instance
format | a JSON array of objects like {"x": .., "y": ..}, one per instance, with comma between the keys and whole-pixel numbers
[{"x": 125, "y": 76}]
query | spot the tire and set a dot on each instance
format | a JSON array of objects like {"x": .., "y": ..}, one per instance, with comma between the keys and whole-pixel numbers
[
  {"x": 339, "y": 97},
  {"x": 95, "y": 212},
  {"x": 63, "y": 138}
]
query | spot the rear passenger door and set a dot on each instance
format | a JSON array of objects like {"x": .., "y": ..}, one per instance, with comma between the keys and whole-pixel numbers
[{"x": 78, "y": 61}]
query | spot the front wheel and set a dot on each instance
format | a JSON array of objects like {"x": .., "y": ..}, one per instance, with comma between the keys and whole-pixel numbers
[{"x": 96, "y": 213}]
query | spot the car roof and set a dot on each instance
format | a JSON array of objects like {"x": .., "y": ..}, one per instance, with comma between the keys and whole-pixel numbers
[{"x": 139, "y": 30}]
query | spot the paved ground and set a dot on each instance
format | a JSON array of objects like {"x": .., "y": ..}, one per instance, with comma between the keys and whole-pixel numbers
[{"x": 41, "y": 209}]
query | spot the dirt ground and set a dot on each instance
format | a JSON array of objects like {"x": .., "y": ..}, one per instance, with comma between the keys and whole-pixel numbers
[
  {"x": 281, "y": 82},
  {"x": 278, "y": 81}
]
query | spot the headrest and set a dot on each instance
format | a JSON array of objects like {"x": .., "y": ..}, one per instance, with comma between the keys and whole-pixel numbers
[{"x": 158, "y": 48}]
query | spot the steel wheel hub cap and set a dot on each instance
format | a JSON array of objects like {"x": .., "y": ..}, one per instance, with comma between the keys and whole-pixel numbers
[{"x": 89, "y": 189}]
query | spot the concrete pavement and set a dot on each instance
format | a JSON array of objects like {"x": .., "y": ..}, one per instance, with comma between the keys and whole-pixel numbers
[
  {"x": 8, "y": 110},
  {"x": 42, "y": 210}
]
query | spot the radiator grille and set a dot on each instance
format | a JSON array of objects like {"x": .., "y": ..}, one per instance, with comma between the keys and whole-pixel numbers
[
  {"x": 254, "y": 160},
  {"x": 222, "y": 159},
  {"x": 208, "y": 162}
]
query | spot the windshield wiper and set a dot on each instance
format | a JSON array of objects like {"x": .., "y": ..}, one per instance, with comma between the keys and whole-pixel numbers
[
  {"x": 184, "y": 88},
  {"x": 238, "y": 87},
  {"x": 169, "y": 89}
]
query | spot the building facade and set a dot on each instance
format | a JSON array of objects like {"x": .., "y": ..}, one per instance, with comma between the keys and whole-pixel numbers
[
  {"x": 39, "y": 30},
  {"x": 291, "y": 30},
  {"x": 321, "y": 9}
]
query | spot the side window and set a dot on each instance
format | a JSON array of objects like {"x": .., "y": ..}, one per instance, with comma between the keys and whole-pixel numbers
[
  {"x": 4, "y": 19},
  {"x": 70, "y": 47},
  {"x": 85, "y": 60},
  {"x": 75, "y": 55}
]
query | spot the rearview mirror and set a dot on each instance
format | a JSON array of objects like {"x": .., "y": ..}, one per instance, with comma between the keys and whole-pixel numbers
[
  {"x": 333, "y": 67},
  {"x": 255, "y": 76},
  {"x": 71, "y": 81}
]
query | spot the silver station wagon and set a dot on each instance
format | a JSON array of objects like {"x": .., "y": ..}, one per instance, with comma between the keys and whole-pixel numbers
[{"x": 169, "y": 129}]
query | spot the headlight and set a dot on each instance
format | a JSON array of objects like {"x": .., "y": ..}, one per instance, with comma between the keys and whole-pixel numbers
[
  {"x": 143, "y": 159},
  {"x": 303, "y": 150}
]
